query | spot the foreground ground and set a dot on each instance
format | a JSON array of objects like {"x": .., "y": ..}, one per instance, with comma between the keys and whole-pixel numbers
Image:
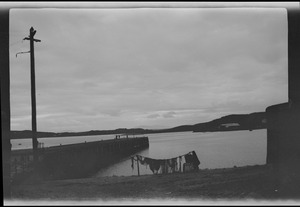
[{"x": 254, "y": 183}]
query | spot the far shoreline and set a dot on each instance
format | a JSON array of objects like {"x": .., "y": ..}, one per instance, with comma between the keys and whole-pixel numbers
[{"x": 78, "y": 134}]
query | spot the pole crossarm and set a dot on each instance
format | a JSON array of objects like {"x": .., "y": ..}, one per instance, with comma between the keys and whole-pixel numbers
[
  {"x": 35, "y": 40},
  {"x": 31, "y": 35}
]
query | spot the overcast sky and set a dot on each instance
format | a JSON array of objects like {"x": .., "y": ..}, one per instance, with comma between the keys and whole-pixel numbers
[{"x": 102, "y": 69}]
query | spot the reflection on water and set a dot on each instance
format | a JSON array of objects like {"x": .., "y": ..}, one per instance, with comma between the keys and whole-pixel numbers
[{"x": 214, "y": 150}]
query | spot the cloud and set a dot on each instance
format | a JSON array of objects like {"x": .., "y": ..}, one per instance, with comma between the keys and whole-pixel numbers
[
  {"x": 124, "y": 68},
  {"x": 170, "y": 114},
  {"x": 153, "y": 116}
]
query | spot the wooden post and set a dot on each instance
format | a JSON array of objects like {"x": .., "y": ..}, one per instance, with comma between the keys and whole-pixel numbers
[
  {"x": 138, "y": 167},
  {"x": 33, "y": 97},
  {"x": 180, "y": 164}
]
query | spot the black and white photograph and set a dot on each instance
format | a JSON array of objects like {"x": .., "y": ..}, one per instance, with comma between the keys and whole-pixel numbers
[{"x": 140, "y": 103}]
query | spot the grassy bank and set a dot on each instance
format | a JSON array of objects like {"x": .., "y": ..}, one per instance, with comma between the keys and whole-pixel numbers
[{"x": 232, "y": 184}]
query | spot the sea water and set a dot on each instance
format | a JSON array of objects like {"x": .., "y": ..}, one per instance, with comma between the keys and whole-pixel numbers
[{"x": 214, "y": 149}]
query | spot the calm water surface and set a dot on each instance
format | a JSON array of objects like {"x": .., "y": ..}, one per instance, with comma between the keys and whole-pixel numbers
[{"x": 214, "y": 149}]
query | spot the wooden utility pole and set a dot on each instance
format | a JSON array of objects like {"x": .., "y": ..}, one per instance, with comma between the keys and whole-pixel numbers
[{"x": 33, "y": 99}]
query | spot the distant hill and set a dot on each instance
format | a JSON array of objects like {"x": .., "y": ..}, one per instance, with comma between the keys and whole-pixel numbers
[{"x": 232, "y": 122}]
